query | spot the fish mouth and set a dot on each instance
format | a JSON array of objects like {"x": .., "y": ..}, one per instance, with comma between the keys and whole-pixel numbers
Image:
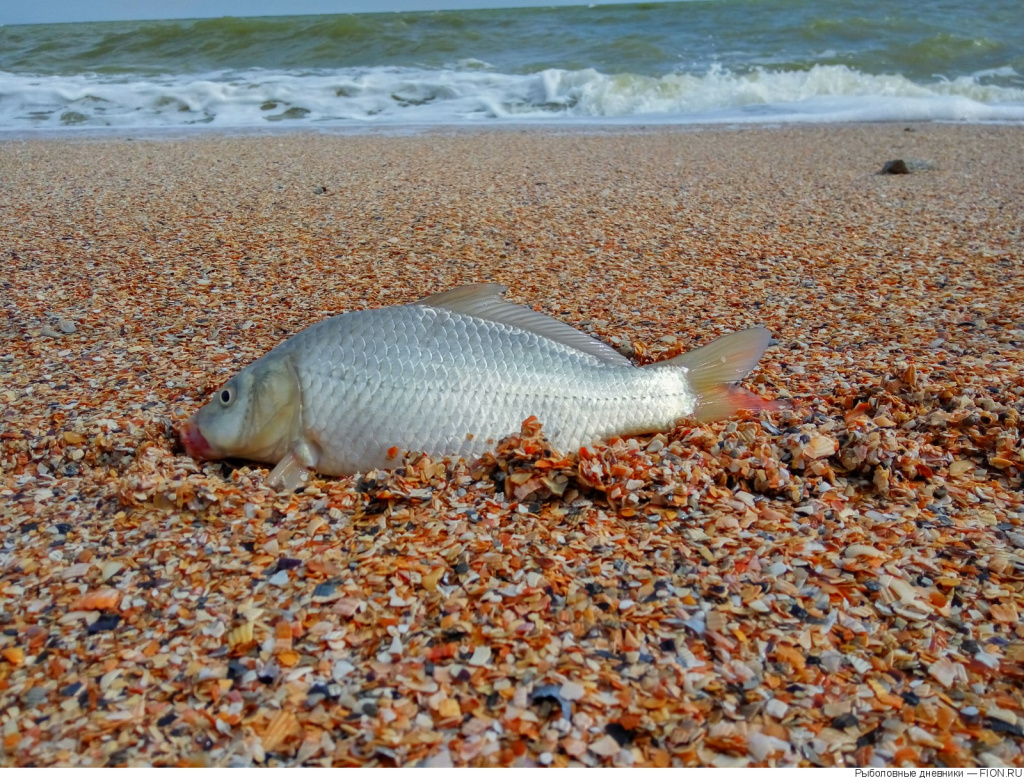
[{"x": 196, "y": 446}]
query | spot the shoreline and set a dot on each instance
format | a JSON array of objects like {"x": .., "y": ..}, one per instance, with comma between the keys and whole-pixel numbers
[
  {"x": 837, "y": 584},
  {"x": 624, "y": 126}
]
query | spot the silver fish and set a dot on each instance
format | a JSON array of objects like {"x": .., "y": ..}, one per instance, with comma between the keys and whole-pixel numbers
[{"x": 451, "y": 374}]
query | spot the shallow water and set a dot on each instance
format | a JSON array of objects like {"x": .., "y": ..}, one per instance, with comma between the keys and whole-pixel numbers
[{"x": 734, "y": 61}]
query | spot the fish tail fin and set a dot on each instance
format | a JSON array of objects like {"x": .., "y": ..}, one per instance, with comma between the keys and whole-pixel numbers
[{"x": 715, "y": 370}]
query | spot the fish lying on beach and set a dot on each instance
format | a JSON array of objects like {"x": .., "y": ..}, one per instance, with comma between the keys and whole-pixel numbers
[{"x": 451, "y": 374}]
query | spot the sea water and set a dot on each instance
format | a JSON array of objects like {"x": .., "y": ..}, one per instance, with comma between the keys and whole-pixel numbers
[{"x": 703, "y": 61}]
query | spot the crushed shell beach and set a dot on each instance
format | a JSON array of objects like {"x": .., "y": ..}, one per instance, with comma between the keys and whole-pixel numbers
[{"x": 836, "y": 583}]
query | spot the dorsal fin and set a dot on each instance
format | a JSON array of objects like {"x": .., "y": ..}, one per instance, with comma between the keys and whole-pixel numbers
[{"x": 484, "y": 301}]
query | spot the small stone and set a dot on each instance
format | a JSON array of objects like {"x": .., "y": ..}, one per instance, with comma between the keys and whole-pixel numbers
[{"x": 895, "y": 167}]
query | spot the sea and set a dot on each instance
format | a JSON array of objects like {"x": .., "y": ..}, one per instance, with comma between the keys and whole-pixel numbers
[{"x": 695, "y": 62}]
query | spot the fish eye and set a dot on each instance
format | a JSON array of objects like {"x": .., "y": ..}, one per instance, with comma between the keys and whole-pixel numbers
[{"x": 226, "y": 396}]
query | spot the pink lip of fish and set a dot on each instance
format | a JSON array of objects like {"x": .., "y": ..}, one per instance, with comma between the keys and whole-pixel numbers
[{"x": 196, "y": 446}]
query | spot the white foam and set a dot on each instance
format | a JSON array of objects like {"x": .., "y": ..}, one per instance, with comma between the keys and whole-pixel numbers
[{"x": 474, "y": 92}]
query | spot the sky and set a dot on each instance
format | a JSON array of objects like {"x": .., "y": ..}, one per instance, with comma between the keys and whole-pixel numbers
[{"x": 54, "y": 11}]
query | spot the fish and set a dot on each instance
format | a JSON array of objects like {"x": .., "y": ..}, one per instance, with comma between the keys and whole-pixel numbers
[{"x": 450, "y": 375}]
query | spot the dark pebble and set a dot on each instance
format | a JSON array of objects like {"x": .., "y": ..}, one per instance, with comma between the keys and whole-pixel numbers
[
  {"x": 166, "y": 719},
  {"x": 619, "y": 733},
  {"x": 895, "y": 167},
  {"x": 287, "y": 563},
  {"x": 104, "y": 623},
  {"x": 869, "y": 738},
  {"x": 798, "y": 612},
  {"x": 910, "y": 698},
  {"x": 1003, "y": 727},
  {"x": 325, "y": 589},
  {"x": 30, "y": 526},
  {"x": 844, "y": 721},
  {"x": 71, "y": 689},
  {"x": 236, "y": 670},
  {"x": 551, "y": 693},
  {"x": 63, "y": 528}
]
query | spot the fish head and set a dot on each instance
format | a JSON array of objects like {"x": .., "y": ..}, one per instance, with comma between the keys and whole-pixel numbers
[{"x": 256, "y": 415}]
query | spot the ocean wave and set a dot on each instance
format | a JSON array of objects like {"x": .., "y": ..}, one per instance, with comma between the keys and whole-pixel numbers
[{"x": 473, "y": 92}]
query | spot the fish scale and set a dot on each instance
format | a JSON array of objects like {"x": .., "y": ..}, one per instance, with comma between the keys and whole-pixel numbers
[
  {"x": 451, "y": 375},
  {"x": 447, "y": 383}
]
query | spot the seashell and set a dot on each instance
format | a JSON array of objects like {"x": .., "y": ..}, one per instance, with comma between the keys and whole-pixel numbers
[
  {"x": 961, "y": 467},
  {"x": 910, "y": 376},
  {"x": 481, "y": 656},
  {"x": 66, "y": 326},
  {"x": 279, "y": 729},
  {"x": 570, "y": 690},
  {"x": 946, "y": 671},
  {"x": 110, "y": 569},
  {"x": 605, "y": 746},
  {"x": 431, "y": 579},
  {"x": 241, "y": 635},
  {"x": 449, "y": 708},
  {"x": 104, "y": 599},
  {"x": 282, "y": 637},
  {"x": 820, "y": 446},
  {"x": 288, "y": 658},
  {"x": 14, "y": 654},
  {"x": 860, "y": 549}
]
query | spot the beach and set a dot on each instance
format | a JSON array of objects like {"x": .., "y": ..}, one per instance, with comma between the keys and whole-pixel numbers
[{"x": 838, "y": 583}]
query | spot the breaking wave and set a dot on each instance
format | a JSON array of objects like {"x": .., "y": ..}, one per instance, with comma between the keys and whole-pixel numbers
[{"x": 473, "y": 92}]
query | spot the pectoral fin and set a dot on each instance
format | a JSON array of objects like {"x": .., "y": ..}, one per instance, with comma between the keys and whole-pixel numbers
[
  {"x": 295, "y": 469},
  {"x": 289, "y": 475}
]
